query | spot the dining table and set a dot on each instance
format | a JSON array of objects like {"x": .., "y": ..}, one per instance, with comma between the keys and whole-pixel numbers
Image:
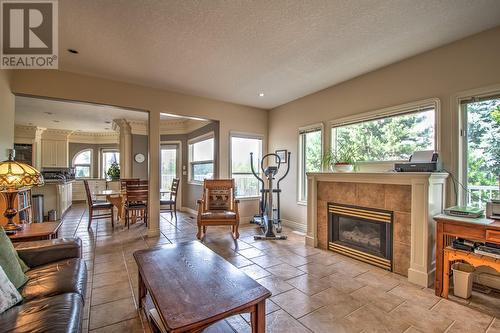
[{"x": 116, "y": 198}]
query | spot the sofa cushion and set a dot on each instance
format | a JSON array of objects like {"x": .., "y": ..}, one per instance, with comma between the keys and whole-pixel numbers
[
  {"x": 9, "y": 296},
  {"x": 60, "y": 313},
  {"x": 65, "y": 276},
  {"x": 10, "y": 262}
]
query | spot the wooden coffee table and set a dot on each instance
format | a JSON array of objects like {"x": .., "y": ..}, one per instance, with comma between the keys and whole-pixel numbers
[
  {"x": 192, "y": 287},
  {"x": 37, "y": 231}
]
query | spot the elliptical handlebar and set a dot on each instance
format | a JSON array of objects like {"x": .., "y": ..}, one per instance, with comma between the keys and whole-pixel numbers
[
  {"x": 269, "y": 155},
  {"x": 253, "y": 171}
]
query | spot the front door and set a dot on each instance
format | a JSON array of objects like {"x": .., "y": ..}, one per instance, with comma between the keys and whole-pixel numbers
[{"x": 169, "y": 168}]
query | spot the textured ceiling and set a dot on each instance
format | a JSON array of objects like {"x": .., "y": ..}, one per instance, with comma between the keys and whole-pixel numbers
[{"x": 233, "y": 50}]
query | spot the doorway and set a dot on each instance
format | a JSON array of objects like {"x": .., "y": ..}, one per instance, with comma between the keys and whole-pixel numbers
[{"x": 170, "y": 166}]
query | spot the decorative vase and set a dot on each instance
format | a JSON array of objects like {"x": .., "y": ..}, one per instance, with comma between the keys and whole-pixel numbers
[{"x": 343, "y": 167}]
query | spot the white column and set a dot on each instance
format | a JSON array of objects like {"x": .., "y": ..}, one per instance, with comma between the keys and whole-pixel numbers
[
  {"x": 154, "y": 174},
  {"x": 125, "y": 148}
]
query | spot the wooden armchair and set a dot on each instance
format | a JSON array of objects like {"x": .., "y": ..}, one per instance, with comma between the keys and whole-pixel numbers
[{"x": 218, "y": 207}]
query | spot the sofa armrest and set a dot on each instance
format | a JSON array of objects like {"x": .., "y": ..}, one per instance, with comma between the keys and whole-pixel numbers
[{"x": 43, "y": 252}]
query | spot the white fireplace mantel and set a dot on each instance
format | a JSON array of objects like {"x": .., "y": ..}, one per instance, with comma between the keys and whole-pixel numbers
[{"x": 427, "y": 200}]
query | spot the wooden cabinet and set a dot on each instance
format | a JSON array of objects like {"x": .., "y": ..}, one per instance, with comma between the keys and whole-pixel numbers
[
  {"x": 114, "y": 185},
  {"x": 95, "y": 185},
  {"x": 78, "y": 191},
  {"x": 54, "y": 153},
  {"x": 65, "y": 198}
]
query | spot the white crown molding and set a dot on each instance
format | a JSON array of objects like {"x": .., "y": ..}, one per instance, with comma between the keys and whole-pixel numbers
[
  {"x": 56, "y": 134},
  {"x": 28, "y": 132},
  {"x": 170, "y": 126},
  {"x": 94, "y": 138}
]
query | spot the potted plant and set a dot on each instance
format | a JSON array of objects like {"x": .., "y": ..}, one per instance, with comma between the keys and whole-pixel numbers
[
  {"x": 114, "y": 171},
  {"x": 343, "y": 159}
]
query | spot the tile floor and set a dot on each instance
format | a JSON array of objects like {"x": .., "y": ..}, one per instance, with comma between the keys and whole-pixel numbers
[{"x": 313, "y": 290}]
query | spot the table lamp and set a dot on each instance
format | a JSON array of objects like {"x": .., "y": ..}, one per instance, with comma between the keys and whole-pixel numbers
[{"x": 15, "y": 176}]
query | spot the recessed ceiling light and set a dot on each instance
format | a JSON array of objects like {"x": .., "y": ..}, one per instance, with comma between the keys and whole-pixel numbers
[
  {"x": 56, "y": 121},
  {"x": 261, "y": 94},
  {"x": 73, "y": 51},
  {"x": 107, "y": 122},
  {"x": 49, "y": 113}
]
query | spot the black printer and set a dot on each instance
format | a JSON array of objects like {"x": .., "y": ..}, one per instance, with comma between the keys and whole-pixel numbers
[{"x": 420, "y": 161}]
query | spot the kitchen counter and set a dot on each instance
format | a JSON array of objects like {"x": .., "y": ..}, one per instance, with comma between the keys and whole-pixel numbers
[
  {"x": 57, "y": 195},
  {"x": 58, "y": 181}
]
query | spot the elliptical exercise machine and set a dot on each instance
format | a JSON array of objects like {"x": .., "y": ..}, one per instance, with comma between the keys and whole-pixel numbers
[{"x": 267, "y": 217}]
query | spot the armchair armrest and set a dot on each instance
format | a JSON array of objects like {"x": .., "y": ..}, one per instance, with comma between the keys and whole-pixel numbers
[
  {"x": 236, "y": 206},
  {"x": 43, "y": 252}
]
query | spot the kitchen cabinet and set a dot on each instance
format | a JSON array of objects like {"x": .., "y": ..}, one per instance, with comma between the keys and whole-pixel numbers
[
  {"x": 54, "y": 153},
  {"x": 95, "y": 186}
]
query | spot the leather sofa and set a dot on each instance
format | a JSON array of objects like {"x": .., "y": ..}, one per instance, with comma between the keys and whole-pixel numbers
[{"x": 54, "y": 296}]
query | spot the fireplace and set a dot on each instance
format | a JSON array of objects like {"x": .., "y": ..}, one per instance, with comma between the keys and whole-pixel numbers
[{"x": 361, "y": 233}]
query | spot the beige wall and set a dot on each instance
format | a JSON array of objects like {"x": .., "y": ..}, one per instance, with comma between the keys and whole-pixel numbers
[
  {"x": 71, "y": 86},
  {"x": 471, "y": 63},
  {"x": 7, "y": 115}
]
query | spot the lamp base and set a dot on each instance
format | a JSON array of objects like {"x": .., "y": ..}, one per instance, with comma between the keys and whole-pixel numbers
[{"x": 12, "y": 228}]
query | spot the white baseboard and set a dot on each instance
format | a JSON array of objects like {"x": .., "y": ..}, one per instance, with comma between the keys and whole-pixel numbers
[
  {"x": 189, "y": 210},
  {"x": 295, "y": 225}
]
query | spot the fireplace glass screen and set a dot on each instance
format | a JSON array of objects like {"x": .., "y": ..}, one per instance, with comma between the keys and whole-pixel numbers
[{"x": 362, "y": 233}]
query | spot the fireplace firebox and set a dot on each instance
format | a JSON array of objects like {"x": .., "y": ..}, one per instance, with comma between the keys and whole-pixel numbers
[{"x": 361, "y": 233}]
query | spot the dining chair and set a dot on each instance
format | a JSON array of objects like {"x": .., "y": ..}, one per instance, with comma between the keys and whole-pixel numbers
[
  {"x": 218, "y": 207},
  {"x": 98, "y": 206},
  {"x": 136, "y": 200},
  {"x": 172, "y": 201},
  {"x": 123, "y": 182}
]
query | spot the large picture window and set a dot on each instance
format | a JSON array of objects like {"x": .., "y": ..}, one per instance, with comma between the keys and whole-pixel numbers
[
  {"x": 241, "y": 147},
  {"x": 108, "y": 157},
  {"x": 481, "y": 138},
  {"x": 310, "y": 156},
  {"x": 391, "y": 138},
  {"x": 201, "y": 159},
  {"x": 82, "y": 162}
]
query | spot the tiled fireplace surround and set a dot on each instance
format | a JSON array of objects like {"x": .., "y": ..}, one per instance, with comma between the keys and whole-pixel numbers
[
  {"x": 414, "y": 199},
  {"x": 395, "y": 198}
]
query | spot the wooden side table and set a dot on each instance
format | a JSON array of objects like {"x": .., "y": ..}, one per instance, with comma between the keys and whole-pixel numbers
[
  {"x": 449, "y": 228},
  {"x": 471, "y": 258},
  {"x": 37, "y": 231}
]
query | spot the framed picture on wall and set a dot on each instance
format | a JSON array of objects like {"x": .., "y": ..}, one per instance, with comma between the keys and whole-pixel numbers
[{"x": 282, "y": 154}]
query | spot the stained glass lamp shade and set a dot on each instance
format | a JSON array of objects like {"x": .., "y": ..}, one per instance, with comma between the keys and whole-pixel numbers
[{"x": 15, "y": 176}]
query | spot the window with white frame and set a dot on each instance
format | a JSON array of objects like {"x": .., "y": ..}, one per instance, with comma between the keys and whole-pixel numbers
[
  {"x": 247, "y": 185},
  {"x": 481, "y": 149},
  {"x": 201, "y": 159},
  {"x": 392, "y": 137},
  {"x": 82, "y": 162},
  {"x": 108, "y": 157},
  {"x": 310, "y": 156}
]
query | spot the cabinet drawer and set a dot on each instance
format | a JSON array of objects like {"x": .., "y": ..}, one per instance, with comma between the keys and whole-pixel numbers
[{"x": 493, "y": 236}]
